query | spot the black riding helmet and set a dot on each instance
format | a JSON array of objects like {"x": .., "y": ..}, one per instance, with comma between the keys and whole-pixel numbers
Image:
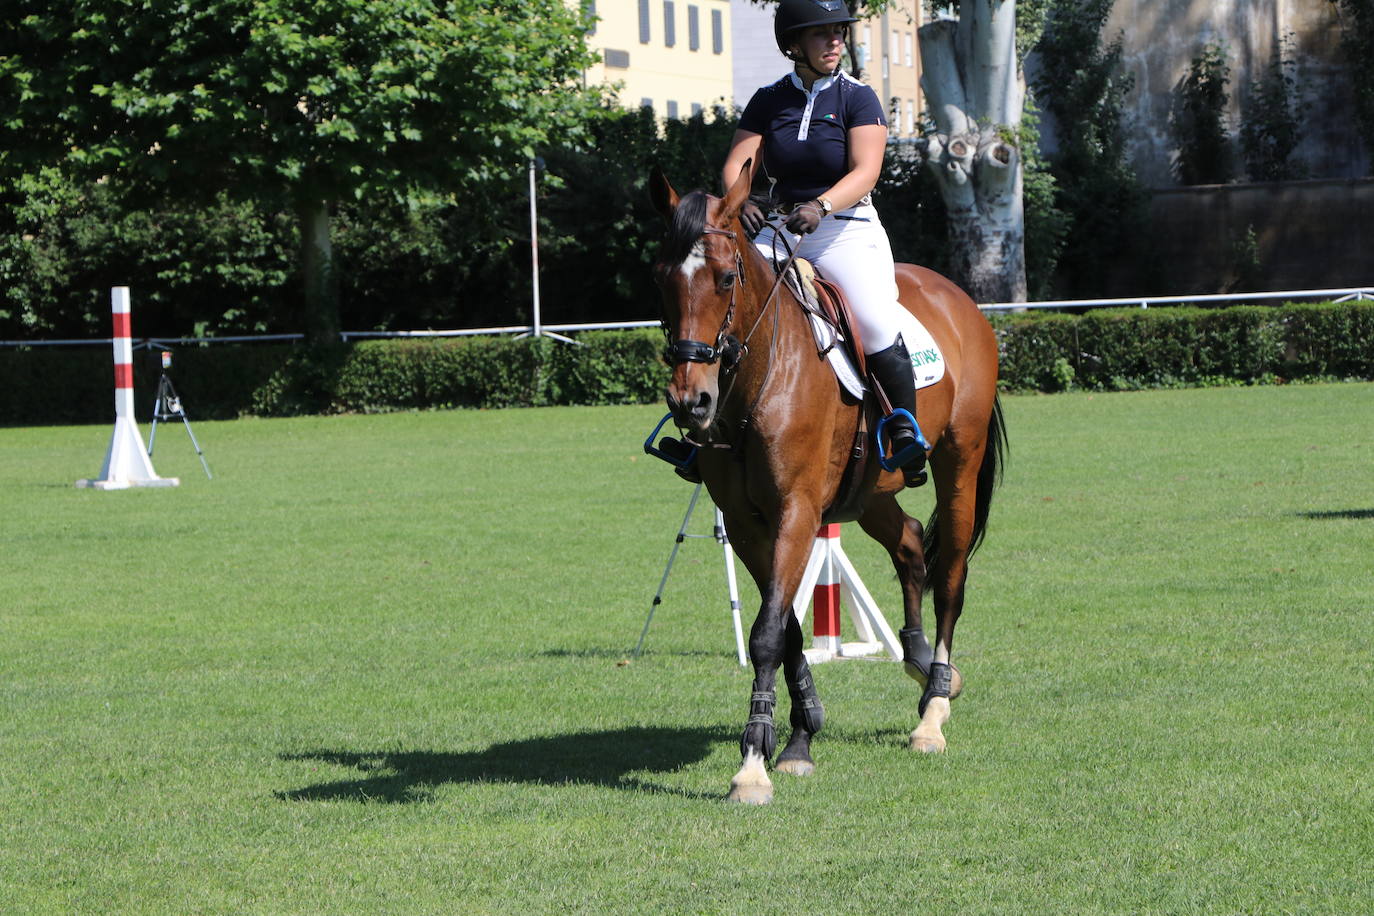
[{"x": 798, "y": 14}]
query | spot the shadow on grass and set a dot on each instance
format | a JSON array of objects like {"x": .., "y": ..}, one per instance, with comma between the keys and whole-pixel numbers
[
  {"x": 1340, "y": 513},
  {"x": 590, "y": 758},
  {"x": 626, "y": 654}
]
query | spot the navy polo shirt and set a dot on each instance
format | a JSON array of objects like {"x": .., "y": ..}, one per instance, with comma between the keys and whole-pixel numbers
[{"x": 806, "y": 134}]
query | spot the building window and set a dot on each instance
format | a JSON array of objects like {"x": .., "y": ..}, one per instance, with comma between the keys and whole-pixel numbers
[
  {"x": 693, "y": 28},
  {"x": 696, "y": 109},
  {"x": 617, "y": 60},
  {"x": 672, "y": 109},
  {"x": 589, "y": 8},
  {"x": 896, "y": 52},
  {"x": 717, "y": 33},
  {"x": 910, "y": 116},
  {"x": 906, "y": 46},
  {"x": 646, "y": 103},
  {"x": 644, "y": 22},
  {"x": 669, "y": 26}
]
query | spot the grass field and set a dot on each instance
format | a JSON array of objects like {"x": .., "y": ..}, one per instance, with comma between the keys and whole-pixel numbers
[{"x": 374, "y": 667}]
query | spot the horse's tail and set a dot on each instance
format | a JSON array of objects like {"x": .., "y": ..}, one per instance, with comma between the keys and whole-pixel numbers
[{"x": 989, "y": 476}]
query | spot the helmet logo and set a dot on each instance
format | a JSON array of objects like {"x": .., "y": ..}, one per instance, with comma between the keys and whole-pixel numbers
[{"x": 830, "y": 5}]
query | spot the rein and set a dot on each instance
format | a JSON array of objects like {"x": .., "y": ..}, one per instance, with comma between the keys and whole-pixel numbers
[{"x": 728, "y": 349}]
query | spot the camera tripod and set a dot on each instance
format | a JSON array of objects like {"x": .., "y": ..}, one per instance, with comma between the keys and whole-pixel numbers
[
  {"x": 718, "y": 533},
  {"x": 167, "y": 406}
]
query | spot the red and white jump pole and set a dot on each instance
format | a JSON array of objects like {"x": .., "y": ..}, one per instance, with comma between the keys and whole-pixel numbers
[
  {"x": 126, "y": 460},
  {"x": 828, "y": 576}
]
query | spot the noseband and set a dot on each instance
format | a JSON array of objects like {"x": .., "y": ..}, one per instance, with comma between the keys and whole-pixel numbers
[{"x": 727, "y": 347}]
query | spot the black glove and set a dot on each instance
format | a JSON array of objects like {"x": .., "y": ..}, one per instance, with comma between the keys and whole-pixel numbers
[
  {"x": 805, "y": 218},
  {"x": 753, "y": 218}
]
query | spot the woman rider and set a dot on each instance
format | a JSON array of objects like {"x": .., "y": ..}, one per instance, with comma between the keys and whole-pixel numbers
[{"x": 822, "y": 135}]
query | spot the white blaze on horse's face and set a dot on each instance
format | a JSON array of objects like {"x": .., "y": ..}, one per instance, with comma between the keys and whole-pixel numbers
[{"x": 695, "y": 260}]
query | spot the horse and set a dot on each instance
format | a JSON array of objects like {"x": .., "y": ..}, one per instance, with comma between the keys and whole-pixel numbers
[{"x": 776, "y": 432}]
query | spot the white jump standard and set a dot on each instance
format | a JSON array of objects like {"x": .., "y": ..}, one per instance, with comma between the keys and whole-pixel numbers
[
  {"x": 126, "y": 460},
  {"x": 828, "y": 571}
]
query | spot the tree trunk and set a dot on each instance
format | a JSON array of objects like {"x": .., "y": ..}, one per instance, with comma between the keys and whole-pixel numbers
[
  {"x": 975, "y": 92},
  {"x": 321, "y": 287}
]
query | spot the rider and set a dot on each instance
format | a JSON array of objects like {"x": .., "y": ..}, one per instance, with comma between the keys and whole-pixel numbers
[{"x": 822, "y": 135}]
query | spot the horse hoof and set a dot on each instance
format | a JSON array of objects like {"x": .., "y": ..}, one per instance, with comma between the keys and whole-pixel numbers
[
  {"x": 751, "y": 785},
  {"x": 796, "y": 766},
  {"x": 927, "y": 744},
  {"x": 750, "y": 795}
]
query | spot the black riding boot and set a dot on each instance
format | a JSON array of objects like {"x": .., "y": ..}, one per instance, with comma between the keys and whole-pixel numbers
[{"x": 892, "y": 370}]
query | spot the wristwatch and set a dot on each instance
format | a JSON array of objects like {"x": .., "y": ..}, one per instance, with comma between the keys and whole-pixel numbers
[{"x": 826, "y": 206}]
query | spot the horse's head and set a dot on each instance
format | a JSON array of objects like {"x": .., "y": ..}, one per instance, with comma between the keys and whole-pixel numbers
[{"x": 699, "y": 272}]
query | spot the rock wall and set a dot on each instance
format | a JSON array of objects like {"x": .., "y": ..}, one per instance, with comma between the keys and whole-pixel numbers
[
  {"x": 1307, "y": 235},
  {"x": 1161, "y": 37}
]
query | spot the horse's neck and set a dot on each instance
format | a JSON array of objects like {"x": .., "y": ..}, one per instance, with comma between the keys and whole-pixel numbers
[{"x": 779, "y": 341}]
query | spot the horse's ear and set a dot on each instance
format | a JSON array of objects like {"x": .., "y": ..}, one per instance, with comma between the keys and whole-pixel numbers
[
  {"x": 738, "y": 193},
  {"x": 662, "y": 194}
]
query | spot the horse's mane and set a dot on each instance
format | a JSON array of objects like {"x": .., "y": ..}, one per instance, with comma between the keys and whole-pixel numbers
[{"x": 689, "y": 222}]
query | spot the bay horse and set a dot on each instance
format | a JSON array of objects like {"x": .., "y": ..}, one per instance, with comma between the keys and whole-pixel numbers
[{"x": 776, "y": 431}]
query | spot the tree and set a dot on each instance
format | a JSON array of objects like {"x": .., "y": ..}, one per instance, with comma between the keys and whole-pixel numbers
[
  {"x": 295, "y": 103},
  {"x": 1080, "y": 83},
  {"x": 1198, "y": 120},
  {"x": 1357, "y": 42},
  {"x": 973, "y": 86},
  {"x": 1271, "y": 122}
]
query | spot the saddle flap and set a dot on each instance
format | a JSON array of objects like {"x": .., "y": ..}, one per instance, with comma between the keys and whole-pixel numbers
[{"x": 835, "y": 307}]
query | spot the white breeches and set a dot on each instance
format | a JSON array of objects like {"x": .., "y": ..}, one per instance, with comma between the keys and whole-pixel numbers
[{"x": 855, "y": 255}]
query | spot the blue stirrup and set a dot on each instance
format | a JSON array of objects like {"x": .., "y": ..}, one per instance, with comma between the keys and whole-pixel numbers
[{"x": 905, "y": 455}]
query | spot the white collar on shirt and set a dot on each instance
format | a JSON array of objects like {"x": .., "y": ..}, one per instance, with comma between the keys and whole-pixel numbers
[{"x": 816, "y": 89}]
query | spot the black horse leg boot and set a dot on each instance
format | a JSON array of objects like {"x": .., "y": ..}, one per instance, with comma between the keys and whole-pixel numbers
[{"x": 892, "y": 370}]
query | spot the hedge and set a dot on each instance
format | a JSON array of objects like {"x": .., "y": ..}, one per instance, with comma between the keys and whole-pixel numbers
[
  {"x": 1123, "y": 349},
  {"x": 1103, "y": 350}
]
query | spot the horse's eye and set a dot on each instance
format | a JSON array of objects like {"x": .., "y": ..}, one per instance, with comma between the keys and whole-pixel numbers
[{"x": 727, "y": 279}]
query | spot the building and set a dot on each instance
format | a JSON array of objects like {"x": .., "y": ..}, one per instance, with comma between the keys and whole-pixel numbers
[
  {"x": 670, "y": 55},
  {"x": 890, "y": 62},
  {"x": 682, "y": 56}
]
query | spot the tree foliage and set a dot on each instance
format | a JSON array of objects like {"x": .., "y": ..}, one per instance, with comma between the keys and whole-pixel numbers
[
  {"x": 1271, "y": 120},
  {"x": 291, "y": 103},
  {"x": 1198, "y": 120},
  {"x": 1357, "y": 42},
  {"x": 1082, "y": 87}
]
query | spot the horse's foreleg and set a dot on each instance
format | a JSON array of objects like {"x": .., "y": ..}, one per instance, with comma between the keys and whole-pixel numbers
[
  {"x": 807, "y": 714},
  {"x": 774, "y": 638}
]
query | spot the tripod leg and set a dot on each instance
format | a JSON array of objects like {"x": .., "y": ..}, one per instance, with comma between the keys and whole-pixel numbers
[
  {"x": 195, "y": 443},
  {"x": 662, "y": 583},
  {"x": 734, "y": 589}
]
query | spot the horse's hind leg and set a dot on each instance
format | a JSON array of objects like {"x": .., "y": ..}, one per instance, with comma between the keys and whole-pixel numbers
[
  {"x": 886, "y": 522},
  {"x": 807, "y": 713},
  {"x": 956, "y": 482}
]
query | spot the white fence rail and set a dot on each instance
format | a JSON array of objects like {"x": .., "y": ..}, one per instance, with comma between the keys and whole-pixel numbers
[{"x": 1335, "y": 295}]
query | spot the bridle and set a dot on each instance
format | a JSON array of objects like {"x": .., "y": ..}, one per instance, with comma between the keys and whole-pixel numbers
[{"x": 728, "y": 349}]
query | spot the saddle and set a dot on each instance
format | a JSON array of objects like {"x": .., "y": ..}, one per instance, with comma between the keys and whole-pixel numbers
[{"x": 827, "y": 301}]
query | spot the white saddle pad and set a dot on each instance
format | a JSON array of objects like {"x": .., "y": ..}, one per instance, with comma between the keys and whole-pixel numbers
[{"x": 927, "y": 362}]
